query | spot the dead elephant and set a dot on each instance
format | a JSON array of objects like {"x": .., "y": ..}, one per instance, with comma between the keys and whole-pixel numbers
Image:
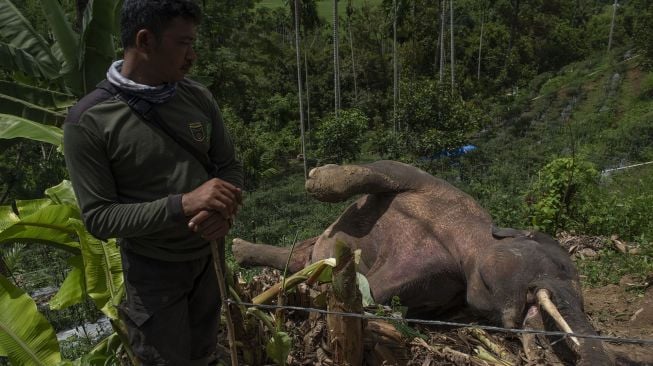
[{"x": 434, "y": 246}]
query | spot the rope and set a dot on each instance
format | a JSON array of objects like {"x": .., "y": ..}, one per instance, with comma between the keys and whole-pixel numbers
[
  {"x": 446, "y": 323},
  {"x": 625, "y": 167}
]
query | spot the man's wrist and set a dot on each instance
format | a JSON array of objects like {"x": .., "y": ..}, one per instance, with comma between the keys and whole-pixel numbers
[{"x": 174, "y": 205}]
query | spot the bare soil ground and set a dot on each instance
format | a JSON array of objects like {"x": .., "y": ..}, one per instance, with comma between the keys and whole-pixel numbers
[{"x": 616, "y": 311}]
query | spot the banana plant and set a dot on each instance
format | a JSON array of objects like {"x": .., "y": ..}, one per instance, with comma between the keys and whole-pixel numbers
[
  {"x": 96, "y": 272},
  {"x": 49, "y": 78}
]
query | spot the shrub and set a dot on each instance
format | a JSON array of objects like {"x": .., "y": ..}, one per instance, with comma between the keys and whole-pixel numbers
[
  {"x": 339, "y": 138},
  {"x": 563, "y": 187}
]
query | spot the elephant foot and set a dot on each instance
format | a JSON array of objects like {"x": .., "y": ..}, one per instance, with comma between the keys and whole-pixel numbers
[{"x": 336, "y": 183}]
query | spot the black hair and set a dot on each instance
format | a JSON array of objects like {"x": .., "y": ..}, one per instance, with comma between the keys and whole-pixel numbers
[{"x": 153, "y": 15}]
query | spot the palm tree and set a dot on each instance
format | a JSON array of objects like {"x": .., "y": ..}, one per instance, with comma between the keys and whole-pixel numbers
[
  {"x": 350, "y": 11},
  {"x": 442, "y": 40},
  {"x": 395, "y": 68},
  {"x": 614, "y": 13},
  {"x": 299, "y": 87},
  {"x": 336, "y": 59},
  {"x": 452, "y": 47},
  {"x": 480, "y": 44}
]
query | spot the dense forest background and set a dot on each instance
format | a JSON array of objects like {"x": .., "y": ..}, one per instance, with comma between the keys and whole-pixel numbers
[{"x": 553, "y": 98}]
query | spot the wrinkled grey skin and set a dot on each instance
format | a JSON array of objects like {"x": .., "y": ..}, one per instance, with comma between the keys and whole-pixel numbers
[{"x": 434, "y": 246}]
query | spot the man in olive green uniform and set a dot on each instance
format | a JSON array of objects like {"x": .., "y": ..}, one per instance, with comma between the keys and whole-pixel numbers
[{"x": 143, "y": 182}]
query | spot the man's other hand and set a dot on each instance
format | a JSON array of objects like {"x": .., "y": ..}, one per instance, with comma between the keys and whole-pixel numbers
[
  {"x": 211, "y": 225},
  {"x": 214, "y": 195}
]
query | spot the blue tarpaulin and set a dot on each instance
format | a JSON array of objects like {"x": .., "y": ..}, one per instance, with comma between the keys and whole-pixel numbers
[{"x": 452, "y": 153}]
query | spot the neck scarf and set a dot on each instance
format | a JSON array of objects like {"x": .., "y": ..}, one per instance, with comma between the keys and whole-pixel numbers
[{"x": 153, "y": 94}]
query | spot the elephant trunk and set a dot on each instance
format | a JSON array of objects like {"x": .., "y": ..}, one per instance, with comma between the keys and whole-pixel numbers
[
  {"x": 569, "y": 308},
  {"x": 250, "y": 254}
]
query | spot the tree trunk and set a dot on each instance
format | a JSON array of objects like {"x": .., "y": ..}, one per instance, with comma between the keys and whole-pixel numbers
[
  {"x": 299, "y": 88},
  {"x": 514, "y": 24},
  {"x": 480, "y": 46},
  {"x": 453, "y": 78},
  {"x": 614, "y": 13},
  {"x": 346, "y": 333},
  {"x": 395, "y": 77},
  {"x": 351, "y": 47},
  {"x": 336, "y": 59},
  {"x": 444, "y": 4},
  {"x": 308, "y": 93}
]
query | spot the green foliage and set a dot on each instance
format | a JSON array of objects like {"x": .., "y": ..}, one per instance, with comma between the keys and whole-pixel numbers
[
  {"x": 339, "y": 138},
  {"x": 13, "y": 127},
  {"x": 559, "y": 192},
  {"x": 278, "y": 348},
  {"x": 611, "y": 266},
  {"x": 55, "y": 221},
  {"x": 26, "y": 337},
  {"x": 621, "y": 204},
  {"x": 638, "y": 20},
  {"x": 432, "y": 120}
]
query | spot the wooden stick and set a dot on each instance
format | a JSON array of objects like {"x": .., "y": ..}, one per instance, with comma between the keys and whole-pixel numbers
[{"x": 217, "y": 248}]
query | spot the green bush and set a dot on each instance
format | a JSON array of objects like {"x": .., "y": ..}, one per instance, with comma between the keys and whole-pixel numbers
[
  {"x": 340, "y": 138},
  {"x": 562, "y": 189},
  {"x": 431, "y": 119}
]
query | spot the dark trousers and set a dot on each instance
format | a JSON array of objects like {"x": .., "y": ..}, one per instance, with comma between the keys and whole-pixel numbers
[{"x": 172, "y": 309}]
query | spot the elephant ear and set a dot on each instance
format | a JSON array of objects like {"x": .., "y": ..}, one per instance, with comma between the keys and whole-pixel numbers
[
  {"x": 26, "y": 337},
  {"x": 506, "y": 232}
]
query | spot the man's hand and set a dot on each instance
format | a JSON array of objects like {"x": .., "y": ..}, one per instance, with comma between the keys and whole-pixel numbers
[
  {"x": 211, "y": 225},
  {"x": 214, "y": 195}
]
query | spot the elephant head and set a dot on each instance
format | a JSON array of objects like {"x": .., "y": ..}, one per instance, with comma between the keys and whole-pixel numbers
[{"x": 523, "y": 270}]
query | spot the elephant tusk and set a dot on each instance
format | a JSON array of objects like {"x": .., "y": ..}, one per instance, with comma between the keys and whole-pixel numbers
[{"x": 548, "y": 305}]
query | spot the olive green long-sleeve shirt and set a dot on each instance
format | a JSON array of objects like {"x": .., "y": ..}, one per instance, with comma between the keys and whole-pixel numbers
[{"x": 129, "y": 175}]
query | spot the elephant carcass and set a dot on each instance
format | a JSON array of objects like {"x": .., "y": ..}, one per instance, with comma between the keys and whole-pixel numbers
[{"x": 434, "y": 247}]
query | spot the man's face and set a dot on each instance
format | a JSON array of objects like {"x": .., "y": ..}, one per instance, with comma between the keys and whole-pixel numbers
[{"x": 173, "y": 55}]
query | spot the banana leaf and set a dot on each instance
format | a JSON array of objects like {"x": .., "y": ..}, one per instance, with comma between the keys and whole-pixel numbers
[
  {"x": 96, "y": 51},
  {"x": 14, "y": 58},
  {"x": 12, "y": 127},
  {"x": 17, "y": 31},
  {"x": 25, "y": 208},
  {"x": 71, "y": 291},
  {"x": 29, "y": 111},
  {"x": 46, "y": 98},
  {"x": 67, "y": 39},
  {"x": 66, "y": 48},
  {"x": 62, "y": 193},
  {"x": 7, "y": 217},
  {"x": 102, "y": 270},
  {"x": 47, "y": 225},
  {"x": 26, "y": 337}
]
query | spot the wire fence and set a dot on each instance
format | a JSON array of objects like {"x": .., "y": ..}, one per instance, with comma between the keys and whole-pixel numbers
[{"x": 368, "y": 316}]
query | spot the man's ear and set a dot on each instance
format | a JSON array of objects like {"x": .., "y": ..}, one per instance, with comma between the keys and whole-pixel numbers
[{"x": 145, "y": 41}]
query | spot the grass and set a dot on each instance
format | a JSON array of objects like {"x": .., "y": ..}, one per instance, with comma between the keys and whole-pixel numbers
[{"x": 281, "y": 212}]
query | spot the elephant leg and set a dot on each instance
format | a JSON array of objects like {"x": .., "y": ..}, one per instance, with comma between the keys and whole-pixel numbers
[
  {"x": 250, "y": 254},
  {"x": 336, "y": 183}
]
